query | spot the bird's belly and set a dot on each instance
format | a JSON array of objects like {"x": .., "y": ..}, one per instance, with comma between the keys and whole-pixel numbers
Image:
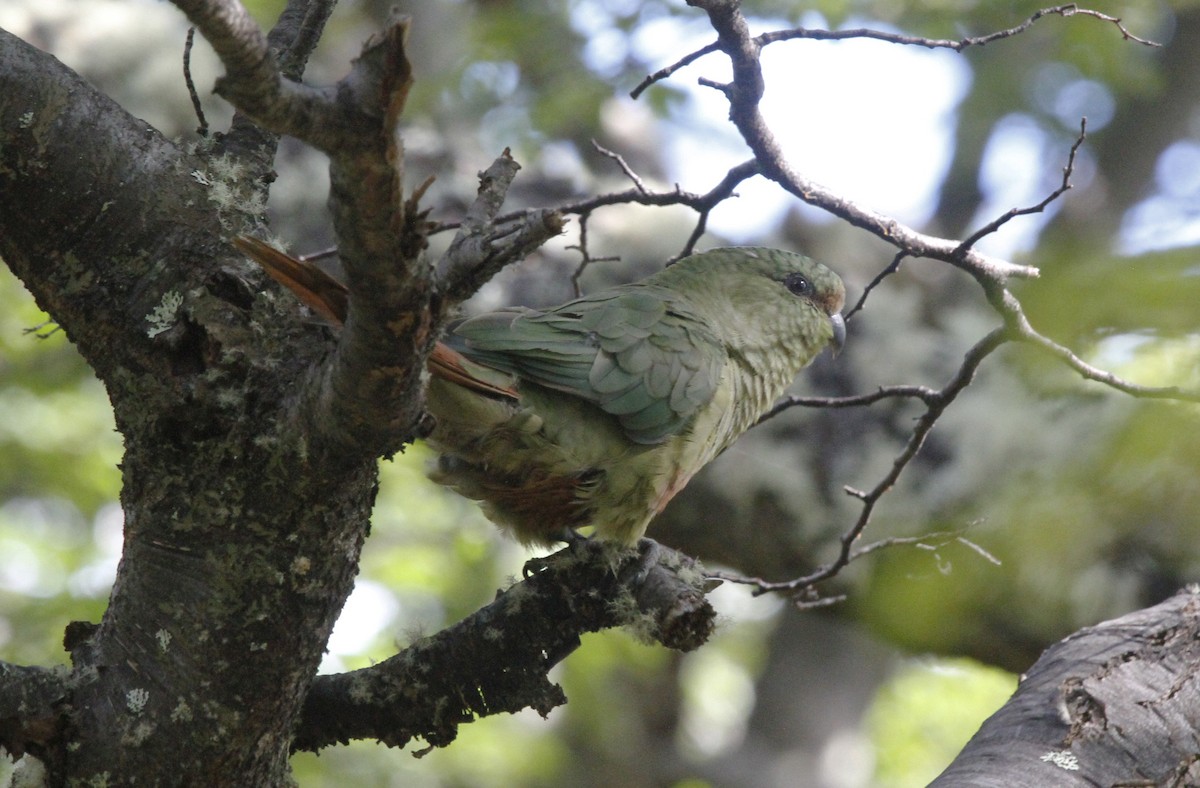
[{"x": 546, "y": 464}]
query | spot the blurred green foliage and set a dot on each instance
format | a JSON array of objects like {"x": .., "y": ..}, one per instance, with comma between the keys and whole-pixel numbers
[{"x": 925, "y": 714}]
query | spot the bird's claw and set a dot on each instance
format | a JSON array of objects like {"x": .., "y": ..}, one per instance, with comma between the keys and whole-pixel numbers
[
  {"x": 649, "y": 553},
  {"x": 575, "y": 542}
]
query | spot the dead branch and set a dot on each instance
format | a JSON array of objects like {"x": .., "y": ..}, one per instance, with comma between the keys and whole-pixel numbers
[{"x": 958, "y": 45}]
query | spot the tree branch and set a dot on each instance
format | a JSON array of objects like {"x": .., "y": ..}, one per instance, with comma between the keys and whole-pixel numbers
[
  {"x": 496, "y": 660},
  {"x": 1114, "y": 704},
  {"x": 30, "y": 707},
  {"x": 744, "y": 94},
  {"x": 109, "y": 291},
  {"x": 483, "y": 246},
  {"x": 936, "y": 403},
  {"x": 958, "y": 45},
  {"x": 255, "y": 84},
  {"x": 367, "y": 396},
  {"x": 1067, "y": 9},
  {"x": 703, "y": 204}
]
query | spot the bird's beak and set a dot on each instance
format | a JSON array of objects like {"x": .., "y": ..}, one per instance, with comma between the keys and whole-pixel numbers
[{"x": 839, "y": 333}]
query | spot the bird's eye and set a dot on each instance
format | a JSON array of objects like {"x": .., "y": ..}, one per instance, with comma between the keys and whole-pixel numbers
[{"x": 797, "y": 284}]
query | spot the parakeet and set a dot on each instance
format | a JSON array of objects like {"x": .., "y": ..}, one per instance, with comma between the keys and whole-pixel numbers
[{"x": 597, "y": 412}]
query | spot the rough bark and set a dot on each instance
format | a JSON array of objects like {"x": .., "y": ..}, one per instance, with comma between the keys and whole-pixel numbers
[{"x": 1113, "y": 704}]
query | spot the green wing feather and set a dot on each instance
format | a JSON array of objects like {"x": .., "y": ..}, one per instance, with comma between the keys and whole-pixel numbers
[{"x": 636, "y": 352}]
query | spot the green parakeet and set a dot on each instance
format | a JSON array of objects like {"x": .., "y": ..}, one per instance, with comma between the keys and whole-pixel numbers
[{"x": 597, "y": 412}]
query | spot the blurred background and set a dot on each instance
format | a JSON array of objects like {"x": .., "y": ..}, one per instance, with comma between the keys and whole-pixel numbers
[{"x": 1088, "y": 500}]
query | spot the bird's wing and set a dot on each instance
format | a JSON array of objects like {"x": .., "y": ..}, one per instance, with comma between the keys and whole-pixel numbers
[{"x": 636, "y": 352}]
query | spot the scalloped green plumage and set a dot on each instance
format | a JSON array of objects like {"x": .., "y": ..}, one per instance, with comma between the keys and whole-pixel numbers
[{"x": 626, "y": 393}]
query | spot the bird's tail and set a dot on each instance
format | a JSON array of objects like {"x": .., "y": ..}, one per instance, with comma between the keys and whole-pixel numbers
[
  {"x": 325, "y": 295},
  {"x": 330, "y": 299}
]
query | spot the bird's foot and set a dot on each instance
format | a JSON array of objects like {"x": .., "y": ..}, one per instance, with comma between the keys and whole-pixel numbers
[
  {"x": 575, "y": 542},
  {"x": 649, "y": 554}
]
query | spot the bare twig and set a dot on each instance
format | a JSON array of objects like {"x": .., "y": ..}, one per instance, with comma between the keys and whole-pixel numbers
[
  {"x": 483, "y": 244},
  {"x": 1026, "y": 333},
  {"x": 1065, "y": 10},
  {"x": 892, "y": 267},
  {"x": 936, "y": 403},
  {"x": 664, "y": 73},
  {"x": 587, "y": 259},
  {"x": 625, "y": 168},
  {"x": 1062, "y": 189},
  {"x": 202, "y": 130},
  {"x": 924, "y": 393},
  {"x": 932, "y": 541},
  {"x": 701, "y": 203},
  {"x": 37, "y": 330},
  {"x": 744, "y": 93},
  {"x": 807, "y": 598}
]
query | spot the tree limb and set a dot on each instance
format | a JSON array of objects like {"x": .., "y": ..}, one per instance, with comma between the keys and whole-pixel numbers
[
  {"x": 112, "y": 292},
  {"x": 30, "y": 707},
  {"x": 936, "y": 403},
  {"x": 744, "y": 94},
  {"x": 1115, "y": 704},
  {"x": 958, "y": 45},
  {"x": 496, "y": 660},
  {"x": 483, "y": 246},
  {"x": 367, "y": 396}
]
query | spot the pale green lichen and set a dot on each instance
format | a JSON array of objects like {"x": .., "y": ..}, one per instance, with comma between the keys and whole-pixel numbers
[
  {"x": 164, "y": 639},
  {"x": 142, "y": 731},
  {"x": 1063, "y": 759},
  {"x": 182, "y": 712},
  {"x": 136, "y": 699},
  {"x": 231, "y": 190},
  {"x": 163, "y": 316}
]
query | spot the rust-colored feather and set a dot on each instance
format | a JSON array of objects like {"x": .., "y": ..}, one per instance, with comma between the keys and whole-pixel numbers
[
  {"x": 449, "y": 365},
  {"x": 325, "y": 295},
  {"x": 329, "y": 298}
]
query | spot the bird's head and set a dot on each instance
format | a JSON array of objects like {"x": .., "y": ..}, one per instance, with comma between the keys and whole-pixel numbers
[{"x": 770, "y": 298}]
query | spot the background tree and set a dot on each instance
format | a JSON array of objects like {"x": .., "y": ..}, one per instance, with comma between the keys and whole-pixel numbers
[{"x": 1085, "y": 497}]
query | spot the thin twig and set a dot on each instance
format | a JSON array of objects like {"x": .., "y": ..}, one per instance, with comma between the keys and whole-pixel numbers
[
  {"x": 37, "y": 330},
  {"x": 1029, "y": 335},
  {"x": 663, "y": 73},
  {"x": 1062, "y": 189},
  {"x": 701, "y": 203},
  {"x": 936, "y": 404},
  {"x": 932, "y": 541},
  {"x": 202, "y": 129},
  {"x": 808, "y": 598},
  {"x": 625, "y": 168},
  {"x": 1065, "y": 10},
  {"x": 582, "y": 248},
  {"x": 924, "y": 393},
  {"x": 892, "y": 267}
]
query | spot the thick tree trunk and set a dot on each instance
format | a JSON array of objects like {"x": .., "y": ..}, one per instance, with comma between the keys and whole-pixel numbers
[{"x": 237, "y": 556}]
